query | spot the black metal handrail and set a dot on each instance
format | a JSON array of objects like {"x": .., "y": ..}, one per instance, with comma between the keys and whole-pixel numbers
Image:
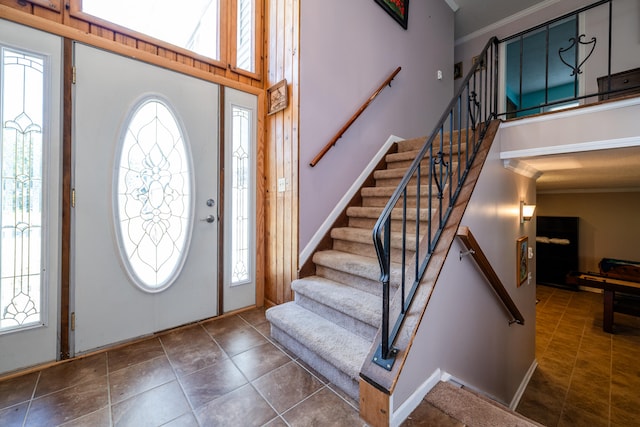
[{"x": 465, "y": 120}]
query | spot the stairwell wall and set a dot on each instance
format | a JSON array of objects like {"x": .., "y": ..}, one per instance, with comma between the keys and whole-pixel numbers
[
  {"x": 465, "y": 330},
  {"x": 347, "y": 49}
]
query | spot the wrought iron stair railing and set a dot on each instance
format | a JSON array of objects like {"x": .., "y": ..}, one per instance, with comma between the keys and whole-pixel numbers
[{"x": 442, "y": 164}]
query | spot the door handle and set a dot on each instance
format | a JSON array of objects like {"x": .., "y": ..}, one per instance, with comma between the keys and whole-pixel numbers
[{"x": 209, "y": 219}]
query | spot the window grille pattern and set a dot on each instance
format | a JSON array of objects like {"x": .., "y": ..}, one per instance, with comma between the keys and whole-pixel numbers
[
  {"x": 21, "y": 191},
  {"x": 240, "y": 196},
  {"x": 154, "y": 199}
]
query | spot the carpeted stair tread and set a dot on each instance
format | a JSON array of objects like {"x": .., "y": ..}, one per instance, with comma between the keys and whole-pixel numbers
[
  {"x": 357, "y": 265},
  {"x": 399, "y": 172},
  {"x": 374, "y": 212},
  {"x": 472, "y": 409},
  {"x": 335, "y": 345},
  {"x": 417, "y": 143},
  {"x": 362, "y": 235},
  {"x": 353, "y": 302},
  {"x": 388, "y": 191},
  {"x": 404, "y": 156}
]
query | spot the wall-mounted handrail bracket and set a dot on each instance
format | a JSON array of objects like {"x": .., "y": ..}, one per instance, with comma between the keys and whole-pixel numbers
[{"x": 465, "y": 253}]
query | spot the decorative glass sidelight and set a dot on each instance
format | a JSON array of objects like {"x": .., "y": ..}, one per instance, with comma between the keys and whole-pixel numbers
[
  {"x": 153, "y": 205},
  {"x": 21, "y": 189},
  {"x": 241, "y": 187}
]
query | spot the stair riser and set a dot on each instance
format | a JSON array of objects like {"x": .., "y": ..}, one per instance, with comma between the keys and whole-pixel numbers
[
  {"x": 412, "y": 145},
  {"x": 362, "y": 283},
  {"x": 380, "y": 202},
  {"x": 357, "y": 326},
  {"x": 404, "y": 164},
  {"x": 323, "y": 367},
  {"x": 364, "y": 249},
  {"x": 396, "y": 225}
]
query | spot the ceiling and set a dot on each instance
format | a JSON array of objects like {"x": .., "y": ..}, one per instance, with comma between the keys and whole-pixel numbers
[{"x": 585, "y": 171}]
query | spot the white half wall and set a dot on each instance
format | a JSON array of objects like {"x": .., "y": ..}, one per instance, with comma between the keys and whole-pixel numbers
[{"x": 465, "y": 330}]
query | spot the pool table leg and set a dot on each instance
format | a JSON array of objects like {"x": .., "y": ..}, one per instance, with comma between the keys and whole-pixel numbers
[{"x": 607, "y": 324}]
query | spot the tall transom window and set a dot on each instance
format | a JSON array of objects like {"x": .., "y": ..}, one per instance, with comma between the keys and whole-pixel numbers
[{"x": 204, "y": 27}]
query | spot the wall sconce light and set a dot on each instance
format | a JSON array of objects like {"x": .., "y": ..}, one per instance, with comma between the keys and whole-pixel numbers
[{"x": 526, "y": 211}]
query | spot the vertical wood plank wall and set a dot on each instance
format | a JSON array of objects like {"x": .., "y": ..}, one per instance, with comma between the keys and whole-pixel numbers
[
  {"x": 277, "y": 216},
  {"x": 282, "y": 152}
]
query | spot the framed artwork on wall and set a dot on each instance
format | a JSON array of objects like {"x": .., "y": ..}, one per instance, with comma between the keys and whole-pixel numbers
[
  {"x": 398, "y": 9},
  {"x": 522, "y": 260},
  {"x": 277, "y": 97}
]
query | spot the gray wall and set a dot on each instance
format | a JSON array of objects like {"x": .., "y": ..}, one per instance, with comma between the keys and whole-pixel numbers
[
  {"x": 465, "y": 330},
  {"x": 348, "y": 48}
]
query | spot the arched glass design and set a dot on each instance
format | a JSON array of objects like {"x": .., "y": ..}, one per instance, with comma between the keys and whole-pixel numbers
[{"x": 153, "y": 196}]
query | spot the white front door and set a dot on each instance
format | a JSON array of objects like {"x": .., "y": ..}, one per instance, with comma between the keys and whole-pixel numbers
[
  {"x": 146, "y": 199},
  {"x": 30, "y": 179}
]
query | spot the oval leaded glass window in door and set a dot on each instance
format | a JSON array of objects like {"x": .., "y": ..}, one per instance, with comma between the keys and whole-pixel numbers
[{"x": 153, "y": 196}]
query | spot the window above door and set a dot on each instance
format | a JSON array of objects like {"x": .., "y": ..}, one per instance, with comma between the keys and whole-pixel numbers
[{"x": 222, "y": 32}]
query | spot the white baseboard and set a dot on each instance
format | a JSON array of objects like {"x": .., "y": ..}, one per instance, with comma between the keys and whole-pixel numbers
[
  {"x": 523, "y": 386},
  {"x": 402, "y": 413},
  {"x": 328, "y": 223}
]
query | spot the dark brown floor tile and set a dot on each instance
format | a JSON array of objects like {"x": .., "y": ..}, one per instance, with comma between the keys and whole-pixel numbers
[
  {"x": 242, "y": 407},
  {"x": 543, "y": 398},
  {"x": 323, "y": 409},
  {"x": 17, "y": 390},
  {"x": 13, "y": 416},
  {"x": 254, "y": 316},
  {"x": 313, "y": 372},
  {"x": 287, "y": 386},
  {"x": 594, "y": 400},
  {"x": 139, "y": 378},
  {"x": 594, "y": 367},
  {"x": 625, "y": 396},
  {"x": 622, "y": 418},
  {"x": 257, "y": 361},
  {"x": 191, "y": 349},
  {"x": 240, "y": 340},
  {"x": 71, "y": 373},
  {"x": 69, "y": 404},
  {"x": 134, "y": 354},
  {"x": 151, "y": 408},
  {"x": 426, "y": 415},
  {"x": 100, "y": 418},
  {"x": 276, "y": 422},
  {"x": 225, "y": 325},
  {"x": 212, "y": 382},
  {"x": 350, "y": 400},
  {"x": 264, "y": 329},
  {"x": 572, "y": 417},
  {"x": 186, "y": 420},
  {"x": 539, "y": 413}
]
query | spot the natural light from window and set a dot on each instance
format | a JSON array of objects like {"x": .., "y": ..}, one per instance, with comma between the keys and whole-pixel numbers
[{"x": 191, "y": 24}]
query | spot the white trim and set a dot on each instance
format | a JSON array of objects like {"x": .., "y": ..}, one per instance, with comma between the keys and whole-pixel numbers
[
  {"x": 574, "y": 112},
  {"x": 521, "y": 168},
  {"x": 607, "y": 144},
  {"x": 409, "y": 405},
  {"x": 592, "y": 190},
  {"x": 335, "y": 213},
  {"x": 523, "y": 386},
  {"x": 453, "y": 5},
  {"x": 505, "y": 21}
]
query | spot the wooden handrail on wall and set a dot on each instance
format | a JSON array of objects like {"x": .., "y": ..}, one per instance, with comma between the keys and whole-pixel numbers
[
  {"x": 353, "y": 118},
  {"x": 474, "y": 249}
]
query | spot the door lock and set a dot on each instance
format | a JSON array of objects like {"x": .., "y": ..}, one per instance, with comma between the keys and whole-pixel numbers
[
  {"x": 209, "y": 219},
  {"x": 211, "y": 202}
]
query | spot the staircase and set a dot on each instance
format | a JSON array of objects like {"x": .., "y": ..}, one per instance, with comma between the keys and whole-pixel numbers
[{"x": 336, "y": 313}]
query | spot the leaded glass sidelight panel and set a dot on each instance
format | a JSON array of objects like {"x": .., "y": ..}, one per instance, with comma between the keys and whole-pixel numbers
[
  {"x": 241, "y": 188},
  {"x": 153, "y": 199},
  {"x": 21, "y": 189}
]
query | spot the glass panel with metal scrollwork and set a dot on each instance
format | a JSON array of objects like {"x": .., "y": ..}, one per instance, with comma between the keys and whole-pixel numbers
[
  {"x": 242, "y": 177},
  {"x": 21, "y": 189},
  {"x": 153, "y": 200}
]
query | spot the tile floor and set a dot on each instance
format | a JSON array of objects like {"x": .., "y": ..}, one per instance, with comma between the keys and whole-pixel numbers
[
  {"x": 227, "y": 372},
  {"x": 224, "y": 372},
  {"x": 585, "y": 377}
]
